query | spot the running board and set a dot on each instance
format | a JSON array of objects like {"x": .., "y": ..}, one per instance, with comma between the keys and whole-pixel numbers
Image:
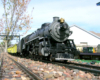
[{"x": 69, "y": 59}]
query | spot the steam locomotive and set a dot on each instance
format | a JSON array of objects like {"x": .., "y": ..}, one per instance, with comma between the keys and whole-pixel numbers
[{"x": 50, "y": 42}]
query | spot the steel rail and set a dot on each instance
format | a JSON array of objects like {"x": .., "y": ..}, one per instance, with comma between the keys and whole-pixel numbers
[
  {"x": 86, "y": 65},
  {"x": 28, "y": 71},
  {"x": 78, "y": 66},
  {"x": 81, "y": 68},
  {"x": 1, "y": 65}
]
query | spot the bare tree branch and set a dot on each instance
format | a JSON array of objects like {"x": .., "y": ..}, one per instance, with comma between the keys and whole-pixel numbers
[{"x": 15, "y": 18}]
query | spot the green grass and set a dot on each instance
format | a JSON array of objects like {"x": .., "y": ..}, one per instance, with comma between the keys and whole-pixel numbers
[{"x": 87, "y": 61}]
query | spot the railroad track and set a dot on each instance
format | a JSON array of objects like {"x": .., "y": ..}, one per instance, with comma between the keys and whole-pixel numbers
[
  {"x": 1, "y": 65},
  {"x": 32, "y": 75},
  {"x": 84, "y": 67}
]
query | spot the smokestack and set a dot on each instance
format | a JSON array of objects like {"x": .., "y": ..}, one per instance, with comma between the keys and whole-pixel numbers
[{"x": 55, "y": 18}]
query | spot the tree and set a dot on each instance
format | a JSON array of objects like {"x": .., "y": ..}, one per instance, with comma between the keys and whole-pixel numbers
[
  {"x": 15, "y": 17},
  {"x": 2, "y": 47}
]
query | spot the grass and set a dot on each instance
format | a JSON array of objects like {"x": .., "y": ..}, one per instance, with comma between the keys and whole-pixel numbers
[{"x": 87, "y": 61}]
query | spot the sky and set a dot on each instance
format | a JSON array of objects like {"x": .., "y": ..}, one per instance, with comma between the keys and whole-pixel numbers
[{"x": 83, "y": 13}]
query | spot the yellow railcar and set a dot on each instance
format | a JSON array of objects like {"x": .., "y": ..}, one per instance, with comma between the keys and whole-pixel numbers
[
  {"x": 12, "y": 49},
  {"x": 9, "y": 50}
]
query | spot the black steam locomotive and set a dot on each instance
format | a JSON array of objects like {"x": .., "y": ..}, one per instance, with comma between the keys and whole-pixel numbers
[{"x": 50, "y": 41}]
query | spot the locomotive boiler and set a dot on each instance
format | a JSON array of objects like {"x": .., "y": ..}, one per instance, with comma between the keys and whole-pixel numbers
[{"x": 50, "y": 41}]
